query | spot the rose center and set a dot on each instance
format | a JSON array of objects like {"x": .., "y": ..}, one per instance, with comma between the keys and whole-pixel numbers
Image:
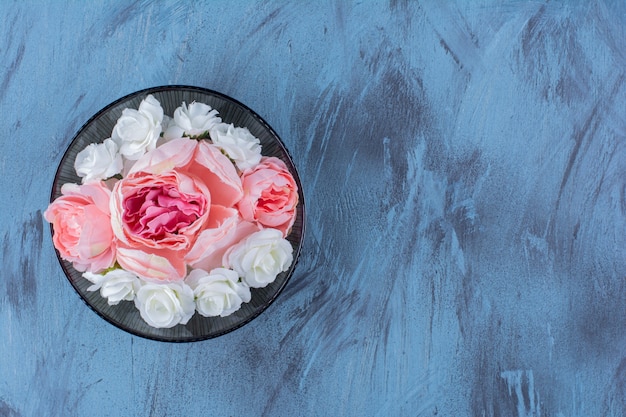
[
  {"x": 273, "y": 199},
  {"x": 156, "y": 212}
]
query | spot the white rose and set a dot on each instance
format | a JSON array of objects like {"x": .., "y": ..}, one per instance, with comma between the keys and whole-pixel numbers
[
  {"x": 239, "y": 144},
  {"x": 219, "y": 292},
  {"x": 260, "y": 257},
  {"x": 192, "y": 120},
  {"x": 98, "y": 161},
  {"x": 137, "y": 131},
  {"x": 115, "y": 285},
  {"x": 165, "y": 305}
]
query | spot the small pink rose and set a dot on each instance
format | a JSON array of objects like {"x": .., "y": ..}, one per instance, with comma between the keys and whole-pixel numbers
[
  {"x": 270, "y": 195},
  {"x": 81, "y": 221}
]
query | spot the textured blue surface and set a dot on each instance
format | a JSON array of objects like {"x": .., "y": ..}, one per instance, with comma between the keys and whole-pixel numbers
[{"x": 464, "y": 166}]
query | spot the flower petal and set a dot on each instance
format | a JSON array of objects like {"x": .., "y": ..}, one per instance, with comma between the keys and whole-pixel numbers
[
  {"x": 158, "y": 265},
  {"x": 218, "y": 173},
  {"x": 225, "y": 229},
  {"x": 174, "y": 154}
]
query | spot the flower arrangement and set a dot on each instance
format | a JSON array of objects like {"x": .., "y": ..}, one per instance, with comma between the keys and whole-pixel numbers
[{"x": 177, "y": 214}]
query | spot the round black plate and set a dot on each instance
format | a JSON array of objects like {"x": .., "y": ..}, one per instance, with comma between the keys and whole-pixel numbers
[{"x": 125, "y": 315}]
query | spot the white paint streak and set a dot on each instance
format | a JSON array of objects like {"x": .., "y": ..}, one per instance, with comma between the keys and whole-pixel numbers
[
  {"x": 518, "y": 385},
  {"x": 550, "y": 343}
]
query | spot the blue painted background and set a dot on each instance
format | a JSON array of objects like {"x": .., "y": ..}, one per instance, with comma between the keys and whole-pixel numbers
[{"x": 464, "y": 166}]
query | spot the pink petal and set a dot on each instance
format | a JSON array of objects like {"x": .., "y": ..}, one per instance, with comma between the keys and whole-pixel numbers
[
  {"x": 160, "y": 265},
  {"x": 214, "y": 241},
  {"x": 174, "y": 154},
  {"x": 218, "y": 173},
  {"x": 96, "y": 191}
]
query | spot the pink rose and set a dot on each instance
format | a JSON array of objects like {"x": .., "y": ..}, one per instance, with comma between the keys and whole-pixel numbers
[
  {"x": 81, "y": 222},
  {"x": 163, "y": 211},
  {"x": 173, "y": 202},
  {"x": 270, "y": 195}
]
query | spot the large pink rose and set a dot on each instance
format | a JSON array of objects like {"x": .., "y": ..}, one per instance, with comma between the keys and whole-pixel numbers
[
  {"x": 270, "y": 195},
  {"x": 159, "y": 211},
  {"x": 81, "y": 222},
  {"x": 172, "y": 201}
]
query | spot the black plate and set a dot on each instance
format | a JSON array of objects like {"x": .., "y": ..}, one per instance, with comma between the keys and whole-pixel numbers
[{"x": 125, "y": 315}]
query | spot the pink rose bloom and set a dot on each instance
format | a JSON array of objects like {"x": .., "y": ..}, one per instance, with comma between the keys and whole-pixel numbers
[
  {"x": 174, "y": 201},
  {"x": 270, "y": 195},
  {"x": 81, "y": 222},
  {"x": 163, "y": 211}
]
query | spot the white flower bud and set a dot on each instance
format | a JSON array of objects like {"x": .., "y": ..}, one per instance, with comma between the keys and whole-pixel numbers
[
  {"x": 137, "y": 131},
  {"x": 239, "y": 144},
  {"x": 260, "y": 257},
  {"x": 165, "y": 305},
  {"x": 219, "y": 292},
  {"x": 98, "y": 161}
]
